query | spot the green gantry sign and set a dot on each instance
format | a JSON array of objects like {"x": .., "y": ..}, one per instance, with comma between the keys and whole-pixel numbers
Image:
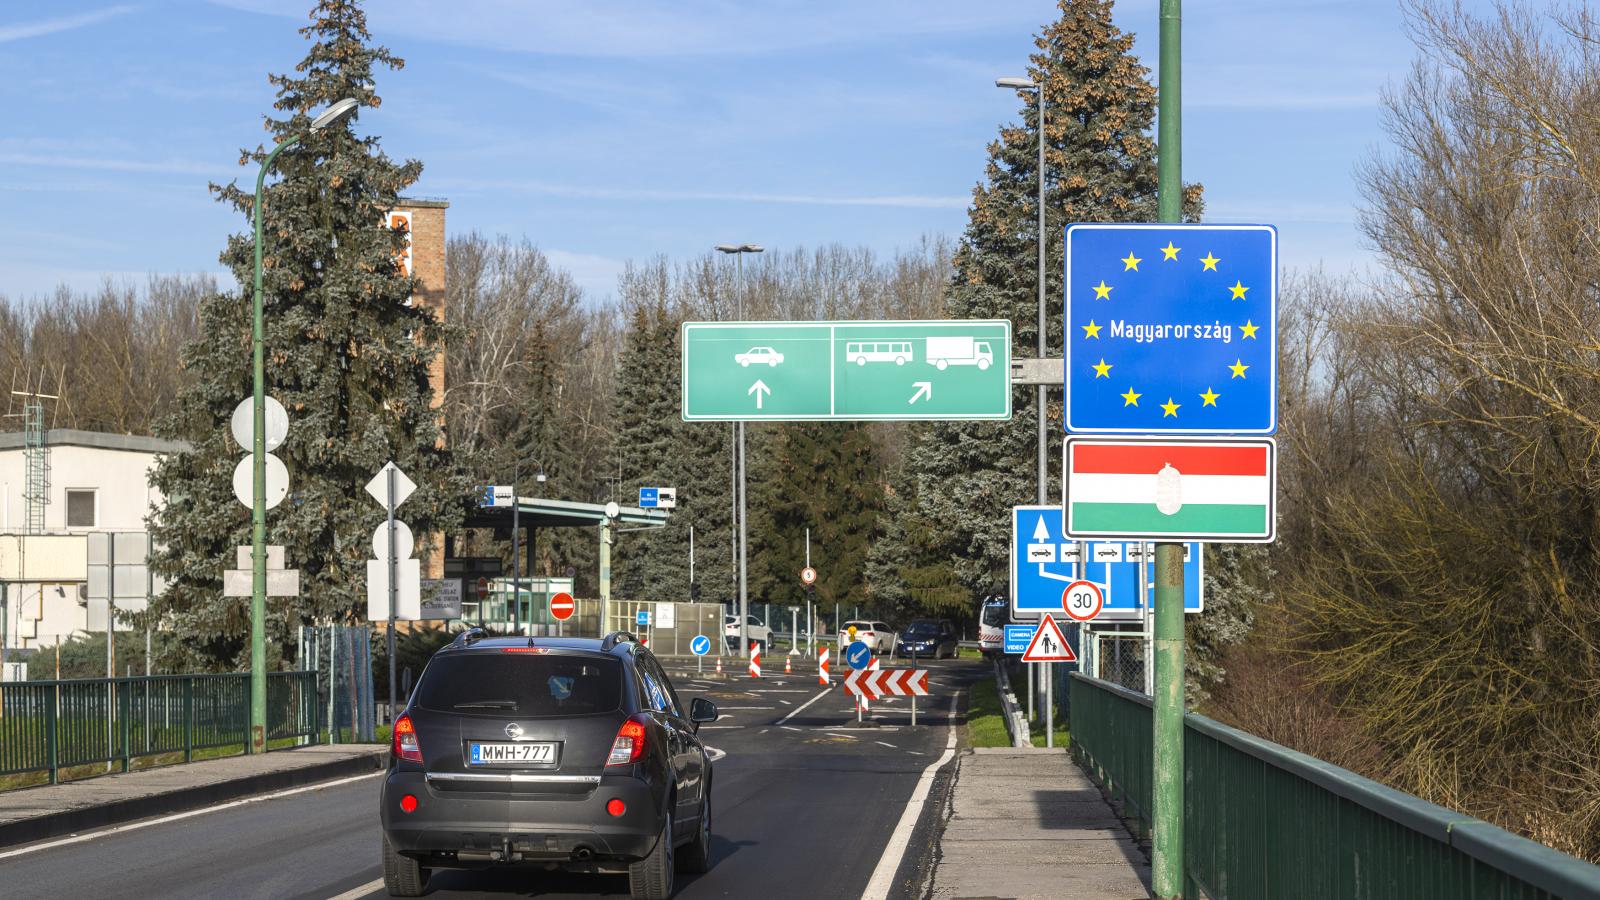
[{"x": 797, "y": 371}]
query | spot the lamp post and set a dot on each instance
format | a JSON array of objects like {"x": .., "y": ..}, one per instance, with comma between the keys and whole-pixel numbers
[
  {"x": 738, "y": 251},
  {"x": 1028, "y": 85},
  {"x": 258, "y": 454},
  {"x": 516, "y": 550}
]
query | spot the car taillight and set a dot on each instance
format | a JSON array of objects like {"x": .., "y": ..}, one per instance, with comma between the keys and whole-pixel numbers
[
  {"x": 629, "y": 745},
  {"x": 405, "y": 744}
]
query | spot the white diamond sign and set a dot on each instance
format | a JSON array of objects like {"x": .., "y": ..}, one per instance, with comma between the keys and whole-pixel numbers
[{"x": 378, "y": 487}]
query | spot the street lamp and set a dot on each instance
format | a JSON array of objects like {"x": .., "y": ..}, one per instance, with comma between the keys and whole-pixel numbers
[
  {"x": 738, "y": 251},
  {"x": 258, "y": 463},
  {"x": 1027, "y": 85}
]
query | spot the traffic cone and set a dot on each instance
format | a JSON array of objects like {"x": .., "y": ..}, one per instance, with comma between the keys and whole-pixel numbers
[
  {"x": 719, "y": 665},
  {"x": 787, "y": 669}
]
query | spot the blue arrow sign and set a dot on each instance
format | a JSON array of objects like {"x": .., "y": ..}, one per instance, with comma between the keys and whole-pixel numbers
[
  {"x": 642, "y": 618},
  {"x": 1017, "y": 637},
  {"x": 1044, "y": 562},
  {"x": 700, "y": 646},
  {"x": 1172, "y": 329},
  {"x": 858, "y": 655}
]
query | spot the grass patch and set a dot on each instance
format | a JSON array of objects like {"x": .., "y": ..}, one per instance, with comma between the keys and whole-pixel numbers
[
  {"x": 986, "y": 722},
  {"x": 1063, "y": 736}
]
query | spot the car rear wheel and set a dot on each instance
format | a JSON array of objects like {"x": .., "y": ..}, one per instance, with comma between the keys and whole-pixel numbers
[
  {"x": 696, "y": 857},
  {"x": 402, "y": 875},
  {"x": 651, "y": 878}
]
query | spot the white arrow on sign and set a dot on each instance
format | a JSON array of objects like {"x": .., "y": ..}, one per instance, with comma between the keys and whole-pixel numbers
[
  {"x": 761, "y": 390},
  {"x": 1040, "y": 531},
  {"x": 924, "y": 389},
  {"x": 378, "y": 487}
]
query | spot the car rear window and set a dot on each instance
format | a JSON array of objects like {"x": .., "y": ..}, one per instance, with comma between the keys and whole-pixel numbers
[{"x": 524, "y": 684}]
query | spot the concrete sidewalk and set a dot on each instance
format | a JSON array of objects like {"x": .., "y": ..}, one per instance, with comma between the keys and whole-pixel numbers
[
  {"x": 36, "y": 813},
  {"x": 1026, "y": 823}
]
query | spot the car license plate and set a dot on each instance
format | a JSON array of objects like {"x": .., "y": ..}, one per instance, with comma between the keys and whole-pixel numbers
[{"x": 536, "y": 752}]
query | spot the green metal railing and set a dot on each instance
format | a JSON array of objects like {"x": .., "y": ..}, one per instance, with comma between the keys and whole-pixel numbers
[
  {"x": 1263, "y": 821},
  {"x": 48, "y": 726}
]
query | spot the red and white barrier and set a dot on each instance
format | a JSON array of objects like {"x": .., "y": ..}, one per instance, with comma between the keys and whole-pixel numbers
[
  {"x": 823, "y": 677},
  {"x": 755, "y": 660}
]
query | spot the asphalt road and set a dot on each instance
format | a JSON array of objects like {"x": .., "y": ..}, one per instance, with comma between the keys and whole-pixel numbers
[{"x": 805, "y": 806}]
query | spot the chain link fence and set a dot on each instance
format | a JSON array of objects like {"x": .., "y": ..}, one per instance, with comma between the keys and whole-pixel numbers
[{"x": 1117, "y": 657}]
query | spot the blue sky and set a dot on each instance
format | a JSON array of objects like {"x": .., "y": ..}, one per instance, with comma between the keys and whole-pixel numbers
[{"x": 620, "y": 130}]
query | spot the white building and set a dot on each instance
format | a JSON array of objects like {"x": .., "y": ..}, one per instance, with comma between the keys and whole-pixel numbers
[{"x": 93, "y": 482}]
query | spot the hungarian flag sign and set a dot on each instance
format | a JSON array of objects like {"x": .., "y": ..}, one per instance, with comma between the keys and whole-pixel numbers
[{"x": 1146, "y": 489}]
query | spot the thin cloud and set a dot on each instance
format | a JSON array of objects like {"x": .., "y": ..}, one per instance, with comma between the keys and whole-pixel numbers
[
  {"x": 900, "y": 201},
  {"x": 10, "y": 33},
  {"x": 177, "y": 167}
]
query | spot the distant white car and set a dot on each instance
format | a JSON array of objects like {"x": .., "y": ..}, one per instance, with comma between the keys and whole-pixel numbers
[
  {"x": 759, "y": 356},
  {"x": 759, "y": 632},
  {"x": 877, "y": 635}
]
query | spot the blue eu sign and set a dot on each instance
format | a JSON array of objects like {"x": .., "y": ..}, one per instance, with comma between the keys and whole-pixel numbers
[{"x": 1171, "y": 329}]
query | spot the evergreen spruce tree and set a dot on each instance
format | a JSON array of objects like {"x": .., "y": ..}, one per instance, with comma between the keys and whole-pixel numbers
[
  {"x": 822, "y": 476},
  {"x": 347, "y": 355},
  {"x": 1100, "y": 166},
  {"x": 655, "y": 447}
]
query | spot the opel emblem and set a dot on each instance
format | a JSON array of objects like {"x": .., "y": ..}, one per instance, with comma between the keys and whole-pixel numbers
[{"x": 514, "y": 731}]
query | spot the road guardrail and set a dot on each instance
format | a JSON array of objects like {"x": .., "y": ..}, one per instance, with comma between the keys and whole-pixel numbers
[
  {"x": 48, "y": 726},
  {"x": 1263, "y": 821}
]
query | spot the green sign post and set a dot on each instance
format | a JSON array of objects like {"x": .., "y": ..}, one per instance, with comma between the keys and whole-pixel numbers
[{"x": 796, "y": 371}]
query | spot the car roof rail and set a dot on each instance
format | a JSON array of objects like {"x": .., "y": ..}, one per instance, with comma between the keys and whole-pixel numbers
[
  {"x": 469, "y": 637},
  {"x": 617, "y": 637}
]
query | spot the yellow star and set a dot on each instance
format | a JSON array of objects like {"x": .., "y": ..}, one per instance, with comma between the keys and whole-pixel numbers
[
  {"x": 1131, "y": 398},
  {"x": 1210, "y": 262},
  {"x": 1238, "y": 290},
  {"x": 1090, "y": 330},
  {"x": 1170, "y": 409},
  {"x": 1169, "y": 252},
  {"x": 1131, "y": 262},
  {"x": 1238, "y": 367},
  {"x": 1249, "y": 329},
  {"x": 1102, "y": 291},
  {"x": 1210, "y": 397},
  {"x": 1103, "y": 370}
]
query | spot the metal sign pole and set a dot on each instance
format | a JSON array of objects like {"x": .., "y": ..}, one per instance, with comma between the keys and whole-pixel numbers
[{"x": 394, "y": 585}]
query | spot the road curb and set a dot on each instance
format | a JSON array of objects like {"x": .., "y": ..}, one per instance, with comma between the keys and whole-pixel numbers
[{"x": 132, "y": 809}]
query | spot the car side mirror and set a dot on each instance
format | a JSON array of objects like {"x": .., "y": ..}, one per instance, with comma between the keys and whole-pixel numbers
[{"x": 702, "y": 711}]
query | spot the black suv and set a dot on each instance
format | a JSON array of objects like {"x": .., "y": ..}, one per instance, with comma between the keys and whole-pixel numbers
[
  {"x": 565, "y": 753},
  {"x": 928, "y": 637}
]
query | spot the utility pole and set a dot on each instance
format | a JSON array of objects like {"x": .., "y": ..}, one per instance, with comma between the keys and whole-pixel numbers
[
  {"x": 1166, "y": 869},
  {"x": 516, "y": 553}
]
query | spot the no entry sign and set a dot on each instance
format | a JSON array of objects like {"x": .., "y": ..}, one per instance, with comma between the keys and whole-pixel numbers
[{"x": 561, "y": 606}]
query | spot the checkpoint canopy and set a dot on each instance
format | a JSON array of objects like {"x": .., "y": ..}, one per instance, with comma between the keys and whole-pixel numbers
[
  {"x": 1044, "y": 561},
  {"x": 1171, "y": 329}
]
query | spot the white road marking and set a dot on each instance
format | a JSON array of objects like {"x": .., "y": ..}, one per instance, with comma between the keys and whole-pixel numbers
[
  {"x": 883, "y": 876},
  {"x": 886, "y": 744},
  {"x": 785, "y": 703},
  {"x": 135, "y": 826},
  {"x": 796, "y": 711},
  {"x": 360, "y": 891},
  {"x": 791, "y": 728},
  {"x": 721, "y": 708},
  {"x": 714, "y": 754},
  {"x": 708, "y": 727}
]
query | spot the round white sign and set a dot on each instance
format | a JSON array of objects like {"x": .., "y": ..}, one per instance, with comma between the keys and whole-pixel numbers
[
  {"x": 277, "y": 486},
  {"x": 808, "y": 575},
  {"x": 1082, "y": 600},
  {"x": 243, "y": 424},
  {"x": 403, "y": 541}
]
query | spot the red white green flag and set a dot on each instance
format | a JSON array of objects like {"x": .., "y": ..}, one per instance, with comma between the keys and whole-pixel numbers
[{"x": 1214, "y": 490}]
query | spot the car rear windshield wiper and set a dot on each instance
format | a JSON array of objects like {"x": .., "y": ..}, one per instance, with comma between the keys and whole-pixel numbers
[{"x": 488, "y": 704}]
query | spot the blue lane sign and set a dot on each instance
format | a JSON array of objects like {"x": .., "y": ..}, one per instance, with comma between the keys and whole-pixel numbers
[
  {"x": 1017, "y": 638},
  {"x": 700, "y": 646},
  {"x": 642, "y": 618},
  {"x": 649, "y": 497},
  {"x": 858, "y": 655},
  {"x": 1044, "y": 562},
  {"x": 1172, "y": 329}
]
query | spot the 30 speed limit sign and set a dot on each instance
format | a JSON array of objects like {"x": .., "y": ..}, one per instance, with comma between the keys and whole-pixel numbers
[{"x": 1082, "y": 600}]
